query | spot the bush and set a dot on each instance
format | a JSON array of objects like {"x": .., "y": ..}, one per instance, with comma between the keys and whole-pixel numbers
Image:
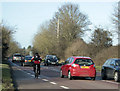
[
  {"x": 77, "y": 48},
  {"x": 103, "y": 55}
]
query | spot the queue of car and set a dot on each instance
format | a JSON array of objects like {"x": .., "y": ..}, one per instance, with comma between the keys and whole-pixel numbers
[{"x": 77, "y": 66}]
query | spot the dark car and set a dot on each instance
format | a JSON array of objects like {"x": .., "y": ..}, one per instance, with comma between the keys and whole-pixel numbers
[
  {"x": 27, "y": 61},
  {"x": 78, "y": 66},
  {"x": 51, "y": 60},
  {"x": 111, "y": 69}
]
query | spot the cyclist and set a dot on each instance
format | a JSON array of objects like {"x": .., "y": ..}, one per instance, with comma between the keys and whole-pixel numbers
[{"x": 37, "y": 60}]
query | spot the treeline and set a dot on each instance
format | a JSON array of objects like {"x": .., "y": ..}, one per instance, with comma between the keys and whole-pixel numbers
[
  {"x": 63, "y": 36},
  {"x": 9, "y": 45}
]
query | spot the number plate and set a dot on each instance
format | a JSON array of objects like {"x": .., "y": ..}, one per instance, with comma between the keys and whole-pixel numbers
[
  {"x": 29, "y": 60},
  {"x": 53, "y": 62},
  {"x": 86, "y": 67}
]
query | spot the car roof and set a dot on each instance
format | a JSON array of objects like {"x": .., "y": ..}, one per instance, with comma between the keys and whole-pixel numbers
[
  {"x": 77, "y": 57},
  {"x": 28, "y": 56},
  {"x": 115, "y": 58},
  {"x": 50, "y": 55},
  {"x": 17, "y": 54}
]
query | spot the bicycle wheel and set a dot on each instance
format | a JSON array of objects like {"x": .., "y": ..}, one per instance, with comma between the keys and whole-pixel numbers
[{"x": 36, "y": 71}]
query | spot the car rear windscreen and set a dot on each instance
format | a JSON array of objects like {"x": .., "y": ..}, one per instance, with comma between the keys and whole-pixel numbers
[
  {"x": 28, "y": 58},
  {"x": 17, "y": 55},
  {"x": 84, "y": 62}
]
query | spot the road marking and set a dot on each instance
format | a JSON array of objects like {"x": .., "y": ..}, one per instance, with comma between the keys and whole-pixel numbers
[
  {"x": 110, "y": 82},
  {"x": 64, "y": 87},
  {"x": 45, "y": 80},
  {"x": 53, "y": 83}
]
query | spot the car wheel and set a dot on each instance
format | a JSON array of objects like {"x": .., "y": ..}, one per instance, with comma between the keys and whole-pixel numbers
[
  {"x": 21, "y": 63},
  {"x": 103, "y": 75},
  {"x": 69, "y": 75},
  {"x": 93, "y": 78},
  {"x": 44, "y": 64},
  {"x": 61, "y": 74},
  {"x": 116, "y": 77}
]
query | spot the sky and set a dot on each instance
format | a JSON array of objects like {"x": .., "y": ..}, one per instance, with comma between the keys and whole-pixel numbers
[{"x": 26, "y": 17}]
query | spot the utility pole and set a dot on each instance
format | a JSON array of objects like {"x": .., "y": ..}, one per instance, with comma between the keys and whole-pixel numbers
[{"x": 58, "y": 31}]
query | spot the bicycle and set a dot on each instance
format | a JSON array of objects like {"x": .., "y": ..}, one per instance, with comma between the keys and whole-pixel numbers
[{"x": 36, "y": 71}]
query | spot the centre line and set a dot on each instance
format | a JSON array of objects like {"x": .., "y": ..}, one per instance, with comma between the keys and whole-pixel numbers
[
  {"x": 45, "y": 80},
  {"x": 64, "y": 87},
  {"x": 53, "y": 83}
]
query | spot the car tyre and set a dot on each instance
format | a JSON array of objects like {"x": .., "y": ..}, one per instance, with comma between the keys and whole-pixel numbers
[
  {"x": 69, "y": 75},
  {"x": 61, "y": 74},
  {"x": 44, "y": 64},
  {"x": 93, "y": 78},
  {"x": 116, "y": 77},
  {"x": 103, "y": 75}
]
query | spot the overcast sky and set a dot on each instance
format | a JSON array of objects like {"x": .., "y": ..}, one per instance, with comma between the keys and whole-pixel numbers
[{"x": 28, "y": 16}]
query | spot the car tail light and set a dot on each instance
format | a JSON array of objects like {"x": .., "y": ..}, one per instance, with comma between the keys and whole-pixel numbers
[
  {"x": 13, "y": 57},
  {"x": 25, "y": 60}
]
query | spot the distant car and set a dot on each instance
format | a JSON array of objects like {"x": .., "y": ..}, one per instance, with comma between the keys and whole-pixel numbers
[
  {"x": 111, "y": 69},
  {"x": 51, "y": 60},
  {"x": 78, "y": 66},
  {"x": 27, "y": 61},
  {"x": 16, "y": 57}
]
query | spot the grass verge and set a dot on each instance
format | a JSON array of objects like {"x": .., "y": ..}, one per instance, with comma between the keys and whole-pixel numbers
[{"x": 6, "y": 77}]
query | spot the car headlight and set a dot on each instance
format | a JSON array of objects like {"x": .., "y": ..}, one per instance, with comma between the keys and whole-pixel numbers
[{"x": 48, "y": 60}]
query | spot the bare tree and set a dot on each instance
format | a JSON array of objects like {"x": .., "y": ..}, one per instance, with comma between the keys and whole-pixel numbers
[{"x": 101, "y": 39}]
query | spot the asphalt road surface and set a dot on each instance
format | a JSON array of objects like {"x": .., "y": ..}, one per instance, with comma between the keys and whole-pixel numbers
[{"x": 50, "y": 79}]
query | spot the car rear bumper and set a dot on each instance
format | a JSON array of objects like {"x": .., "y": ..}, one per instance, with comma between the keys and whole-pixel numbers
[
  {"x": 84, "y": 74},
  {"x": 28, "y": 63},
  {"x": 53, "y": 63}
]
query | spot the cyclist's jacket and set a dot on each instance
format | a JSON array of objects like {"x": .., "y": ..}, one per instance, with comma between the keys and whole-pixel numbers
[{"x": 36, "y": 60}]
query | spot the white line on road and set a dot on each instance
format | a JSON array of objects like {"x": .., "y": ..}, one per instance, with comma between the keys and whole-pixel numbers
[
  {"x": 64, "y": 87},
  {"x": 110, "y": 82},
  {"x": 45, "y": 80},
  {"x": 53, "y": 83}
]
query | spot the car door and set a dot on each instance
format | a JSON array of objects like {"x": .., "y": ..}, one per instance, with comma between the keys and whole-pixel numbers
[
  {"x": 64, "y": 67},
  {"x": 68, "y": 65},
  {"x": 111, "y": 69},
  {"x": 107, "y": 67}
]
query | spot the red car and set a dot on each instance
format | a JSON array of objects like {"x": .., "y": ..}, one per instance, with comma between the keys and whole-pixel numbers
[{"x": 78, "y": 66}]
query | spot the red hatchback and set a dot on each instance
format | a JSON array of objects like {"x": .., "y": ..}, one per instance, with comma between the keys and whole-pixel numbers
[{"x": 78, "y": 66}]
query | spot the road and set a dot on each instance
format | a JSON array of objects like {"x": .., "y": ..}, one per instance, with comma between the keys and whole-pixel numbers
[{"x": 50, "y": 79}]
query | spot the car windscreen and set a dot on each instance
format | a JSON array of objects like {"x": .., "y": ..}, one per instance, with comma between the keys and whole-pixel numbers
[
  {"x": 52, "y": 57},
  {"x": 28, "y": 58},
  {"x": 118, "y": 62},
  {"x": 84, "y": 62}
]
